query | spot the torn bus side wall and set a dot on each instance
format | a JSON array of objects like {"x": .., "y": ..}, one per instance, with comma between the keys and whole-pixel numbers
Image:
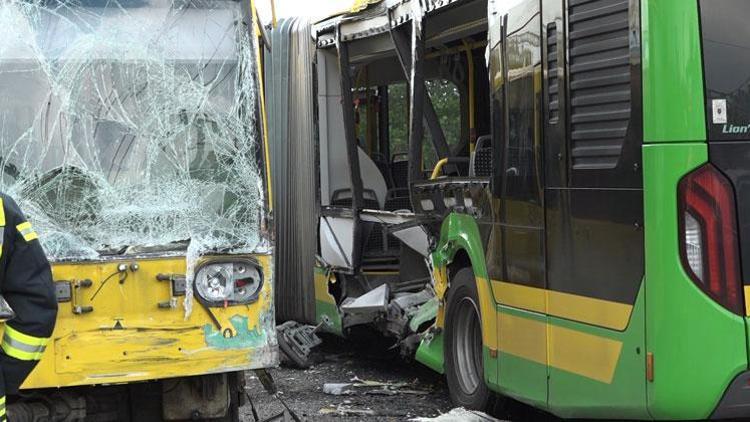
[
  {"x": 364, "y": 298},
  {"x": 381, "y": 264}
]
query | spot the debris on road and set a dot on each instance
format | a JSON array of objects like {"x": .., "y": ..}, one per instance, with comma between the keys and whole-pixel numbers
[
  {"x": 459, "y": 414},
  {"x": 297, "y": 341},
  {"x": 338, "y": 389},
  {"x": 343, "y": 410},
  {"x": 340, "y": 362},
  {"x": 268, "y": 383},
  {"x": 359, "y": 386}
]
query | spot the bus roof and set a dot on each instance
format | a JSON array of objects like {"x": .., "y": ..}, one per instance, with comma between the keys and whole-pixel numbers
[{"x": 450, "y": 20}]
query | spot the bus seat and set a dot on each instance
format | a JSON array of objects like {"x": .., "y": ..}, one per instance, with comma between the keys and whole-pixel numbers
[
  {"x": 480, "y": 164},
  {"x": 385, "y": 170},
  {"x": 343, "y": 198},
  {"x": 400, "y": 170},
  {"x": 397, "y": 199}
]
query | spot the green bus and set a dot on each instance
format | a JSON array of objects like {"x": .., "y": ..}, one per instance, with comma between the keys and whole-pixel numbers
[{"x": 541, "y": 199}]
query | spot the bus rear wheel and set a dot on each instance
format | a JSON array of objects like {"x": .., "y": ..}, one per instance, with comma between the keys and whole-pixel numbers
[{"x": 464, "y": 368}]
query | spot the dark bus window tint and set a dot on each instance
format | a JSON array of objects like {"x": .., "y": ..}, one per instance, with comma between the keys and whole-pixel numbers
[
  {"x": 522, "y": 168},
  {"x": 726, "y": 58},
  {"x": 497, "y": 113}
]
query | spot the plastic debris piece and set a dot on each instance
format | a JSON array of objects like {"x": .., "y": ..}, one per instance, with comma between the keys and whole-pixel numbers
[
  {"x": 459, "y": 414},
  {"x": 376, "y": 300},
  {"x": 337, "y": 389},
  {"x": 297, "y": 341},
  {"x": 342, "y": 410}
]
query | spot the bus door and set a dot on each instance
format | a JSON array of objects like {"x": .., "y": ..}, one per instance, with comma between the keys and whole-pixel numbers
[{"x": 593, "y": 206}]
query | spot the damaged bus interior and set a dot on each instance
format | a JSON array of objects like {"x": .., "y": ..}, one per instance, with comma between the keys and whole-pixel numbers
[
  {"x": 383, "y": 167},
  {"x": 397, "y": 162},
  {"x": 389, "y": 160}
]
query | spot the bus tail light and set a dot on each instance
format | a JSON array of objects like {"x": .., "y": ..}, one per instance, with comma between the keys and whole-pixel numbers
[{"x": 708, "y": 231}]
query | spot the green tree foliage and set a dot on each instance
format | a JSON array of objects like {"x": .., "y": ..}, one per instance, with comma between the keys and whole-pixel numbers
[{"x": 446, "y": 99}]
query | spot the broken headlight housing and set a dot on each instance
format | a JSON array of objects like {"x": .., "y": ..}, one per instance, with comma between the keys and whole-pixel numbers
[{"x": 228, "y": 282}]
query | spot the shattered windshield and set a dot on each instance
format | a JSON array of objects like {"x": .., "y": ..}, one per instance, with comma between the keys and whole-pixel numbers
[{"x": 130, "y": 124}]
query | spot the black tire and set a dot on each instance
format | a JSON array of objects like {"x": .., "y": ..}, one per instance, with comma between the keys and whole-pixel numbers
[{"x": 464, "y": 368}]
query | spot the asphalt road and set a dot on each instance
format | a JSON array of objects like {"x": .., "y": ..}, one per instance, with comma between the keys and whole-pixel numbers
[
  {"x": 387, "y": 388},
  {"x": 382, "y": 387}
]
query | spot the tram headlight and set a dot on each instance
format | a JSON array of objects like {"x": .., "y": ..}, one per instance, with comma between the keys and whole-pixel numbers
[{"x": 230, "y": 282}]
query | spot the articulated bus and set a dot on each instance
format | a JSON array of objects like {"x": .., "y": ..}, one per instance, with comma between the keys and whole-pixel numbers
[
  {"x": 541, "y": 199},
  {"x": 132, "y": 135}
]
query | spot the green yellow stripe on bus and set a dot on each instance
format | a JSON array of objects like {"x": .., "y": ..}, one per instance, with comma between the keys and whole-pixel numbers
[
  {"x": 587, "y": 355},
  {"x": 529, "y": 335},
  {"x": 578, "y": 308}
]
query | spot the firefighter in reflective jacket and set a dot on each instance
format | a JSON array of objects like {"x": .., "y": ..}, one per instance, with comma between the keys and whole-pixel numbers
[{"x": 26, "y": 284}]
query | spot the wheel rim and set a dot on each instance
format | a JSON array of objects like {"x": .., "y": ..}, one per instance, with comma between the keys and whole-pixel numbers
[{"x": 467, "y": 347}]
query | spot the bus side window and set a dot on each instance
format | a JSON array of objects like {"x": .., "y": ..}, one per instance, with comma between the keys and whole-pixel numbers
[
  {"x": 521, "y": 166},
  {"x": 497, "y": 143},
  {"x": 497, "y": 79}
]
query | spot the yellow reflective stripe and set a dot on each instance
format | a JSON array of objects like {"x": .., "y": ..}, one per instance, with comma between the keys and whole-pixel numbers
[
  {"x": 31, "y": 236},
  {"x": 27, "y": 231},
  {"x": 25, "y": 338},
  {"x": 23, "y": 346},
  {"x": 22, "y": 351},
  {"x": 19, "y": 354}
]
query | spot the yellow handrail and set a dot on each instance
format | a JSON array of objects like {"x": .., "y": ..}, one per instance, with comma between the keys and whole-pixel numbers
[
  {"x": 273, "y": 13},
  {"x": 438, "y": 168}
]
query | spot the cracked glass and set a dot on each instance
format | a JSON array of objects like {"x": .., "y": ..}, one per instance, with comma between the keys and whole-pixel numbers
[{"x": 130, "y": 126}]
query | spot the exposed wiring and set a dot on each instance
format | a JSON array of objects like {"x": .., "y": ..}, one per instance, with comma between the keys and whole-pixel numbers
[{"x": 123, "y": 276}]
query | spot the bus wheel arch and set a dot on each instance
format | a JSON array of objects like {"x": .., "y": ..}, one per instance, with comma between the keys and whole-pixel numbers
[{"x": 460, "y": 260}]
